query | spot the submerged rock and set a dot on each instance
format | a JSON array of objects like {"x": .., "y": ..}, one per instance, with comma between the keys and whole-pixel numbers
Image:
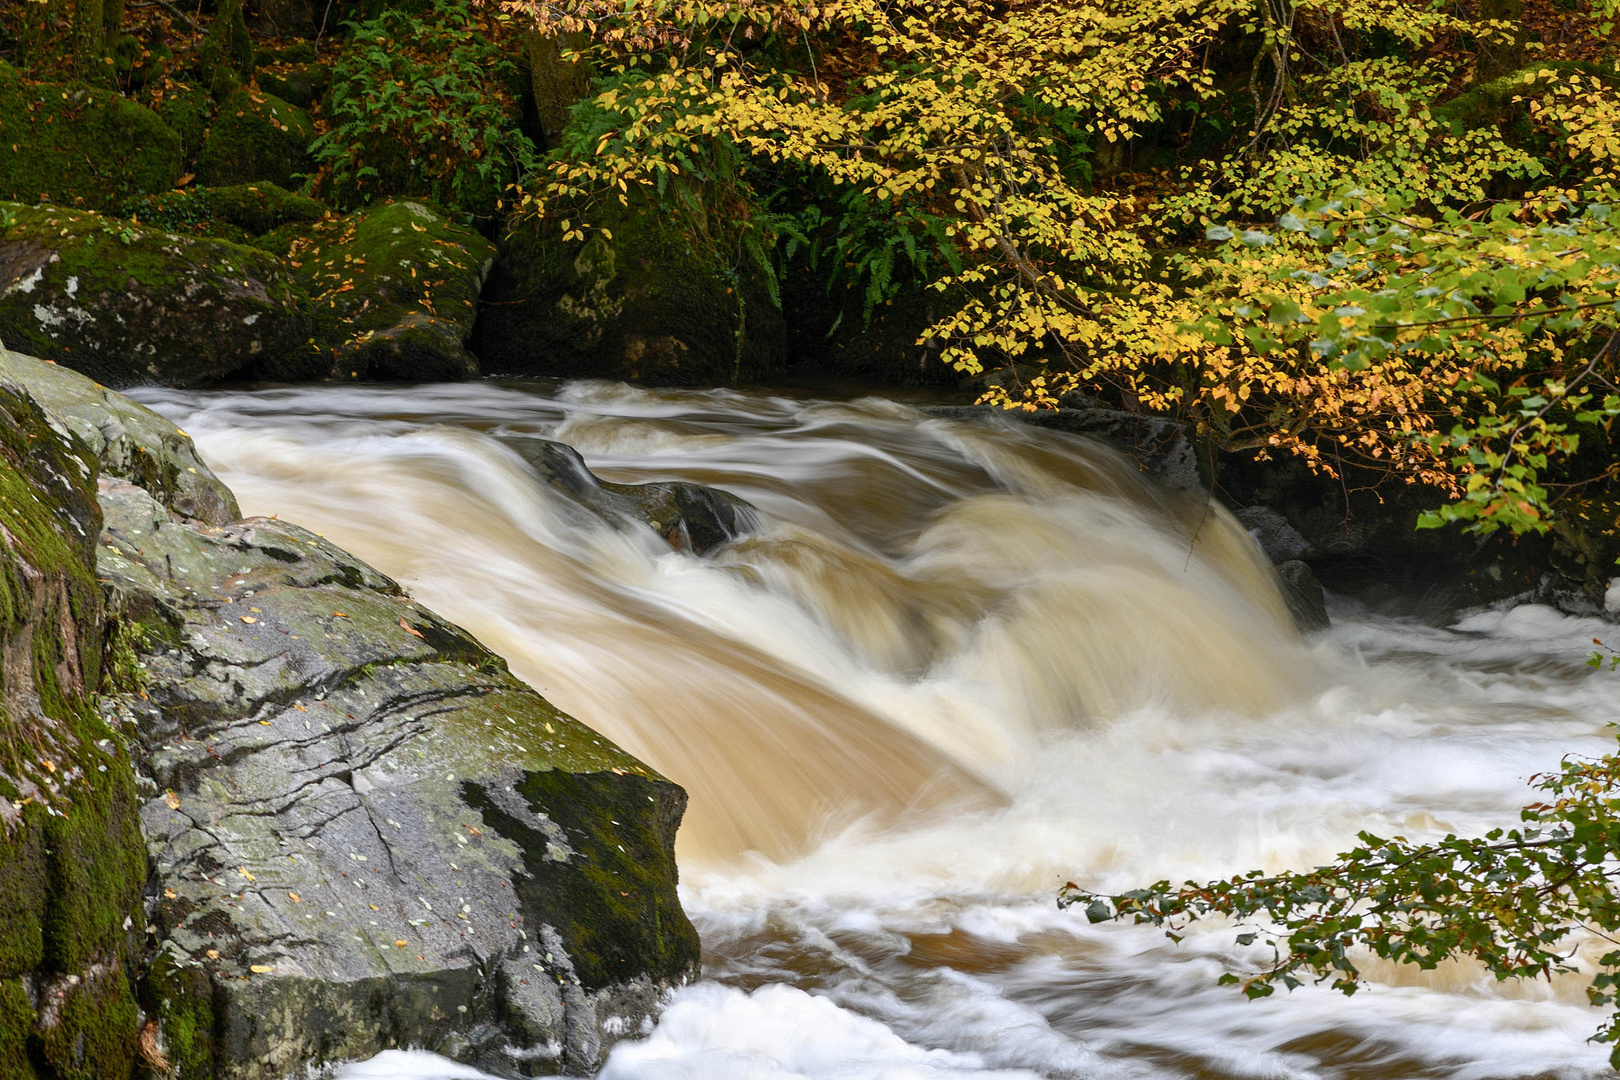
[
  {"x": 690, "y": 517},
  {"x": 72, "y": 865},
  {"x": 129, "y": 305}
]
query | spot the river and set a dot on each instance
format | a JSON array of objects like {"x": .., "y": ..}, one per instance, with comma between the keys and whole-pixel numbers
[{"x": 955, "y": 666}]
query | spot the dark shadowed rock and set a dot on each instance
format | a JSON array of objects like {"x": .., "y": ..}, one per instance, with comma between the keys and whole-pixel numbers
[{"x": 690, "y": 517}]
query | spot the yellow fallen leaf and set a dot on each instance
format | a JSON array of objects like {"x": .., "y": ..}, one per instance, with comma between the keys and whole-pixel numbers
[
  {"x": 50, "y": 766},
  {"x": 266, "y": 723},
  {"x": 170, "y": 894},
  {"x": 249, "y": 619},
  {"x": 261, "y": 969},
  {"x": 339, "y": 615},
  {"x": 400, "y": 944},
  {"x": 212, "y": 954},
  {"x": 246, "y": 873},
  {"x": 172, "y": 799},
  {"x": 295, "y": 898},
  {"x": 299, "y": 707},
  {"x": 409, "y": 629}
]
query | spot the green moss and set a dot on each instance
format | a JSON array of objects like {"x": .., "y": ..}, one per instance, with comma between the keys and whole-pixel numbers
[
  {"x": 660, "y": 302},
  {"x": 395, "y": 291},
  {"x": 180, "y": 997},
  {"x": 239, "y": 213},
  {"x": 16, "y": 1028},
  {"x": 188, "y": 111},
  {"x": 94, "y": 1029},
  {"x": 80, "y": 145},
  {"x": 614, "y": 899},
  {"x": 256, "y": 137},
  {"x": 22, "y": 894}
]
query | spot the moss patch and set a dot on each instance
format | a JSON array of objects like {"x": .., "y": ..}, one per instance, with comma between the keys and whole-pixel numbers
[
  {"x": 239, "y": 213},
  {"x": 80, "y": 145}
]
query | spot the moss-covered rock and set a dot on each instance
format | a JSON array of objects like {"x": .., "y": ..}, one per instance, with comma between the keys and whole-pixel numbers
[
  {"x": 70, "y": 845},
  {"x": 79, "y": 145},
  {"x": 188, "y": 110},
  {"x": 126, "y": 305},
  {"x": 256, "y": 136},
  {"x": 225, "y": 60},
  {"x": 240, "y": 213},
  {"x": 300, "y": 84},
  {"x": 644, "y": 298},
  {"x": 395, "y": 290}
]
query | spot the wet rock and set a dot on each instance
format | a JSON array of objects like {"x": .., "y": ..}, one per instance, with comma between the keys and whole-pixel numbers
[
  {"x": 376, "y": 835},
  {"x": 1303, "y": 594},
  {"x": 128, "y": 305},
  {"x": 650, "y": 303},
  {"x": 127, "y": 439},
  {"x": 72, "y": 864},
  {"x": 1280, "y": 541},
  {"x": 690, "y": 517},
  {"x": 80, "y": 145},
  {"x": 1161, "y": 448},
  {"x": 256, "y": 137},
  {"x": 395, "y": 291}
]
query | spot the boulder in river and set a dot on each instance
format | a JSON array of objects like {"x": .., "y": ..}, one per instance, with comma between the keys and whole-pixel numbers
[
  {"x": 366, "y": 833},
  {"x": 395, "y": 290}
]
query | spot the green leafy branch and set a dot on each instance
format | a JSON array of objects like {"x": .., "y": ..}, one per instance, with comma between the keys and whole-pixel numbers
[{"x": 1520, "y": 902}]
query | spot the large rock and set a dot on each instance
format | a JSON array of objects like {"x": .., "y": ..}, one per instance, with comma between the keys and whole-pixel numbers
[
  {"x": 129, "y": 305},
  {"x": 72, "y": 865},
  {"x": 368, "y": 832},
  {"x": 395, "y": 290},
  {"x": 127, "y": 439},
  {"x": 80, "y": 145},
  {"x": 655, "y": 303},
  {"x": 256, "y": 136}
]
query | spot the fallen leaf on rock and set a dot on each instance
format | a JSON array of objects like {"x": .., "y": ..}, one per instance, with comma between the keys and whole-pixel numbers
[
  {"x": 409, "y": 629},
  {"x": 339, "y": 615},
  {"x": 246, "y": 873},
  {"x": 295, "y": 898},
  {"x": 400, "y": 944},
  {"x": 172, "y": 799},
  {"x": 249, "y": 619},
  {"x": 261, "y": 969},
  {"x": 212, "y": 954}
]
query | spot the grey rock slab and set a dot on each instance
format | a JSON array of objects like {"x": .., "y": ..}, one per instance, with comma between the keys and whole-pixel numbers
[
  {"x": 368, "y": 833},
  {"x": 130, "y": 440}
]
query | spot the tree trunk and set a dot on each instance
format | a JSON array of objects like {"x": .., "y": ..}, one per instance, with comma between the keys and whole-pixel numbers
[{"x": 557, "y": 84}]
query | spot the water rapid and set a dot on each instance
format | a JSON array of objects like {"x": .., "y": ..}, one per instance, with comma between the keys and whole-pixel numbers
[{"x": 953, "y": 666}]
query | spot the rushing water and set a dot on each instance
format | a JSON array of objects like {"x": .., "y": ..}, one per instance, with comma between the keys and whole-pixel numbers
[{"x": 956, "y": 666}]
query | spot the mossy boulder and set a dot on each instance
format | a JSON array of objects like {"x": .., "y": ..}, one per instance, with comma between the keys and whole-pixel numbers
[
  {"x": 256, "y": 136},
  {"x": 72, "y": 862},
  {"x": 644, "y": 298},
  {"x": 80, "y": 145},
  {"x": 240, "y": 213},
  {"x": 395, "y": 291},
  {"x": 188, "y": 110},
  {"x": 128, "y": 305},
  {"x": 225, "y": 60},
  {"x": 300, "y": 84}
]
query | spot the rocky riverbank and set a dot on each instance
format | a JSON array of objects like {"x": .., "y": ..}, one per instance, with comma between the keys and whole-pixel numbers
[{"x": 266, "y": 813}]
